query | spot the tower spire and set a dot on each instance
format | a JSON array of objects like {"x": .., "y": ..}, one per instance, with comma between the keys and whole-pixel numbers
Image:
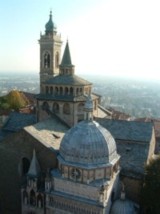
[
  {"x": 66, "y": 60},
  {"x": 66, "y": 66}
]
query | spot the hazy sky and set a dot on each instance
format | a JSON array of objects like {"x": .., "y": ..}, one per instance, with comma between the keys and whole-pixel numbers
[{"x": 105, "y": 36}]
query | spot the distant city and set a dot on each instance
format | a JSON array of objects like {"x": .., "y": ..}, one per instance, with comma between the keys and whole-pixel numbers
[{"x": 137, "y": 98}]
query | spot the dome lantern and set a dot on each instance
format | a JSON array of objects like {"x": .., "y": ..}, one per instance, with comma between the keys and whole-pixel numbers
[{"x": 88, "y": 108}]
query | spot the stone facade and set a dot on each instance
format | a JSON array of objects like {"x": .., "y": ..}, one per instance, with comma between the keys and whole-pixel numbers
[
  {"x": 83, "y": 184},
  {"x": 16, "y": 154}
]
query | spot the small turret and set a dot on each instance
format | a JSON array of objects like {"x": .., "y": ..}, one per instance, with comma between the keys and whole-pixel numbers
[{"x": 88, "y": 109}]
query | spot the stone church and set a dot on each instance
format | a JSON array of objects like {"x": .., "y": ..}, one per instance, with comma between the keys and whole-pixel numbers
[{"x": 75, "y": 159}]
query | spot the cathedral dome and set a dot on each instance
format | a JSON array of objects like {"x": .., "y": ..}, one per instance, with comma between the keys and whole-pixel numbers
[{"x": 88, "y": 143}]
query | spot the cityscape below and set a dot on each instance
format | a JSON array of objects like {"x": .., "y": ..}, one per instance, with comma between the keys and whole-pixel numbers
[{"x": 138, "y": 98}]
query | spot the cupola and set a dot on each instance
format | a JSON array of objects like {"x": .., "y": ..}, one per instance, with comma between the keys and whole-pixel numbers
[
  {"x": 50, "y": 26},
  {"x": 88, "y": 143}
]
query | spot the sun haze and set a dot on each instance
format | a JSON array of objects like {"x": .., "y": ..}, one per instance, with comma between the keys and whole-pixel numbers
[{"x": 107, "y": 37}]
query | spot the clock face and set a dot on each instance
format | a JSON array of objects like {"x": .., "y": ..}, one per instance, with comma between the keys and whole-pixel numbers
[{"x": 75, "y": 173}]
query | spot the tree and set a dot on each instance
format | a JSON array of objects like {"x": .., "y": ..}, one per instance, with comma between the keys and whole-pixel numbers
[
  {"x": 16, "y": 100},
  {"x": 150, "y": 194}
]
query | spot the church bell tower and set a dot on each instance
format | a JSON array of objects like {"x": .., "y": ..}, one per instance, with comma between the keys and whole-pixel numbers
[{"x": 50, "y": 52}]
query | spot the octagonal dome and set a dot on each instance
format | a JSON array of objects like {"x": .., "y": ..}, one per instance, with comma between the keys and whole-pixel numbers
[{"x": 88, "y": 143}]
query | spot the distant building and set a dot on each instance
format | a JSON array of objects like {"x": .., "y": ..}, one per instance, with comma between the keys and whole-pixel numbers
[{"x": 74, "y": 159}]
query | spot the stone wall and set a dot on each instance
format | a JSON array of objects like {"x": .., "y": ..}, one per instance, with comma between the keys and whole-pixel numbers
[
  {"x": 132, "y": 188},
  {"x": 12, "y": 150}
]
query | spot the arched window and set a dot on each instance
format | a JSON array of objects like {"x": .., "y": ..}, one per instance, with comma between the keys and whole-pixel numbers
[
  {"x": 61, "y": 90},
  {"x": 66, "y": 108},
  {"x": 57, "y": 60},
  {"x": 55, "y": 108},
  {"x": 46, "y": 60},
  {"x": 66, "y": 90},
  {"x": 32, "y": 198},
  {"x": 56, "y": 90},
  {"x": 51, "y": 90},
  {"x": 71, "y": 91},
  {"x": 25, "y": 166}
]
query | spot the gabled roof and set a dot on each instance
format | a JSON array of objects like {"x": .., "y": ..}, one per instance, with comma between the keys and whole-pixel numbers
[
  {"x": 48, "y": 132},
  {"x": 133, "y": 142},
  {"x": 17, "y": 121},
  {"x": 128, "y": 130},
  {"x": 68, "y": 80}
]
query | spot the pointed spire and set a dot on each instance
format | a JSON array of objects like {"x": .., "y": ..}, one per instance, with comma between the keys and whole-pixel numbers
[
  {"x": 66, "y": 60},
  {"x": 34, "y": 169}
]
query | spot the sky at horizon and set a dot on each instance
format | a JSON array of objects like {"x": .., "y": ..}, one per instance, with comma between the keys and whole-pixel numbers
[{"x": 109, "y": 37}]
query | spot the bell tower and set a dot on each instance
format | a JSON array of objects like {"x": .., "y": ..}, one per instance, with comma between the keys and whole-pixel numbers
[{"x": 50, "y": 52}]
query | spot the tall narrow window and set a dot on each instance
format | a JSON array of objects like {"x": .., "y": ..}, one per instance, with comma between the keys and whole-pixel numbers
[
  {"x": 71, "y": 90},
  {"x": 66, "y": 90},
  {"x": 61, "y": 90},
  {"x": 51, "y": 90},
  {"x": 46, "y": 60},
  {"x": 56, "y": 90}
]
